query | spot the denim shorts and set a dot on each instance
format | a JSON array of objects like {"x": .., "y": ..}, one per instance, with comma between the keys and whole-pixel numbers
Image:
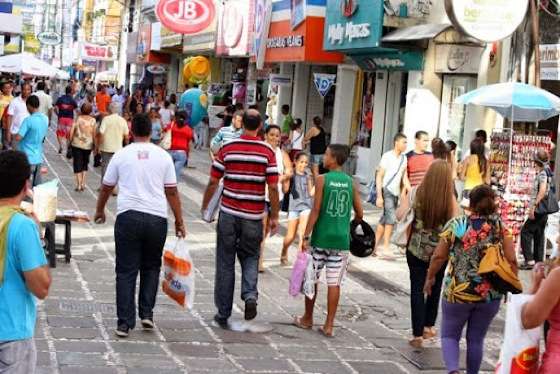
[
  {"x": 296, "y": 214},
  {"x": 18, "y": 356},
  {"x": 390, "y": 202},
  {"x": 316, "y": 159}
]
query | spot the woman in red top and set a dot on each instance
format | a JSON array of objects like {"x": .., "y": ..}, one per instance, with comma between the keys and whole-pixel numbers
[{"x": 181, "y": 137}]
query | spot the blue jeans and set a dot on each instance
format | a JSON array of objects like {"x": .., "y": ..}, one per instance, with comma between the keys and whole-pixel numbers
[
  {"x": 242, "y": 238},
  {"x": 179, "y": 160},
  {"x": 139, "y": 240},
  {"x": 18, "y": 356}
]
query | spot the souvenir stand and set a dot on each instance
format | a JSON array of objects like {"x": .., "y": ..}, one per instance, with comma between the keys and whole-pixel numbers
[{"x": 513, "y": 173}]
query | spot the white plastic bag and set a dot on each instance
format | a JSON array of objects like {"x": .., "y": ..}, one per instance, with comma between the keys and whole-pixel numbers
[
  {"x": 309, "y": 278},
  {"x": 178, "y": 280},
  {"x": 520, "y": 350},
  {"x": 45, "y": 201},
  {"x": 209, "y": 215}
]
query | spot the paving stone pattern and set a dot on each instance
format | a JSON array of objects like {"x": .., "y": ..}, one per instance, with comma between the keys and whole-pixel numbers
[{"x": 75, "y": 325}]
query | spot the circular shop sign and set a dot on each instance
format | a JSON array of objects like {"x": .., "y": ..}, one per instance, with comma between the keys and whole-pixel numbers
[
  {"x": 186, "y": 16},
  {"x": 49, "y": 38},
  {"x": 156, "y": 69},
  {"x": 486, "y": 20},
  {"x": 232, "y": 24}
]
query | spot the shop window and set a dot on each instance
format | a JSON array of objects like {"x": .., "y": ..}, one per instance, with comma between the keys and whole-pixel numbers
[{"x": 366, "y": 113}]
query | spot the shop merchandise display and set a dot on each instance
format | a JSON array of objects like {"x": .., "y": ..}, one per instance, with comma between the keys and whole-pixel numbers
[{"x": 513, "y": 174}]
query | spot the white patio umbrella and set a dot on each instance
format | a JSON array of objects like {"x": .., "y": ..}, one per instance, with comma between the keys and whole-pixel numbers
[
  {"x": 26, "y": 63},
  {"x": 107, "y": 75},
  {"x": 63, "y": 75}
]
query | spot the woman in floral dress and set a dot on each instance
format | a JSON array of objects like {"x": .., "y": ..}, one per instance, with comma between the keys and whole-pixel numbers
[{"x": 468, "y": 298}]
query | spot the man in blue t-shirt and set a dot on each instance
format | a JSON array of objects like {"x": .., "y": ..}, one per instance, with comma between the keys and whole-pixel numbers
[
  {"x": 24, "y": 274},
  {"x": 31, "y": 136}
]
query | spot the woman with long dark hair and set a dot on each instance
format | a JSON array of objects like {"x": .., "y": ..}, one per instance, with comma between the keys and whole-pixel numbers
[
  {"x": 434, "y": 205},
  {"x": 475, "y": 169}
]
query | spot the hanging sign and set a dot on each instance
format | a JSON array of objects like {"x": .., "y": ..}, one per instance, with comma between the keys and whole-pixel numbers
[
  {"x": 323, "y": 82},
  {"x": 186, "y": 16},
  {"x": 49, "y": 38},
  {"x": 263, "y": 14},
  {"x": 156, "y": 69},
  {"x": 487, "y": 20},
  {"x": 550, "y": 62}
]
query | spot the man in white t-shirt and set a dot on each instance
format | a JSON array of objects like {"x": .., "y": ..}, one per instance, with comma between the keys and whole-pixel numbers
[
  {"x": 17, "y": 111},
  {"x": 119, "y": 98},
  {"x": 45, "y": 100},
  {"x": 391, "y": 174},
  {"x": 146, "y": 179}
]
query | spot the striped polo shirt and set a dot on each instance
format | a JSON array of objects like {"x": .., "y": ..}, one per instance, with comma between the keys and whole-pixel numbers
[
  {"x": 247, "y": 165},
  {"x": 417, "y": 166},
  {"x": 224, "y": 136}
]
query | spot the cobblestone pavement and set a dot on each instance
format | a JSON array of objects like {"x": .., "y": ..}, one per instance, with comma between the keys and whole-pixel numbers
[{"x": 75, "y": 328}]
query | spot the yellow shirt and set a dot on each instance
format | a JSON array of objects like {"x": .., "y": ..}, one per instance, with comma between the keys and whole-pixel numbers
[
  {"x": 114, "y": 130},
  {"x": 473, "y": 176},
  {"x": 4, "y": 103}
]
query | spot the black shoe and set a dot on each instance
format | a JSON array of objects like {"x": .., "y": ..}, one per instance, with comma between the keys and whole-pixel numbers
[
  {"x": 122, "y": 330},
  {"x": 250, "y": 309},
  {"x": 526, "y": 266},
  {"x": 221, "y": 322},
  {"x": 148, "y": 323}
]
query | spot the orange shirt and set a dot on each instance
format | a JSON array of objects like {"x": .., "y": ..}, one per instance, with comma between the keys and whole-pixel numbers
[{"x": 102, "y": 101}]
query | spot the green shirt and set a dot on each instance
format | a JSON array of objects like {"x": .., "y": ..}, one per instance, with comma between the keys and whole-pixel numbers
[
  {"x": 287, "y": 124},
  {"x": 332, "y": 229}
]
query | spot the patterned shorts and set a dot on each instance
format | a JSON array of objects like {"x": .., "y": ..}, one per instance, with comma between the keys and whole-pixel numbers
[
  {"x": 64, "y": 127},
  {"x": 335, "y": 261}
]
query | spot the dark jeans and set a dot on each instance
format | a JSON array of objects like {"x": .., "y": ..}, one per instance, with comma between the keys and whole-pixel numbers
[
  {"x": 423, "y": 310},
  {"x": 139, "y": 240},
  {"x": 242, "y": 238},
  {"x": 532, "y": 238}
]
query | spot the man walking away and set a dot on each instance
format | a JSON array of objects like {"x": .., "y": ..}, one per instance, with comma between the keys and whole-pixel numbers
[
  {"x": 17, "y": 111},
  {"x": 64, "y": 109},
  {"x": 24, "y": 272},
  {"x": 336, "y": 195},
  {"x": 146, "y": 179},
  {"x": 31, "y": 135},
  {"x": 248, "y": 167},
  {"x": 45, "y": 100},
  {"x": 5, "y": 100},
  {"x": 390, "y": 174},
  {"x": 419, "y": 159},
  {"x": 113, "y": 132}
]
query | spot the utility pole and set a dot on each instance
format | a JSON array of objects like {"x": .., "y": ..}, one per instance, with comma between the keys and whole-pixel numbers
[{"x": 536, "y": 40}]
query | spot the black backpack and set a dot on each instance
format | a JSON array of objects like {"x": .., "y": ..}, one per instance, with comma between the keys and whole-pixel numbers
[{"x": 361, "y": 245}]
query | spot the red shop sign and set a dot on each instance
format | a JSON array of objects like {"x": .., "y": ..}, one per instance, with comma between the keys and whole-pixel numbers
[{"x": 186, "y": 16}]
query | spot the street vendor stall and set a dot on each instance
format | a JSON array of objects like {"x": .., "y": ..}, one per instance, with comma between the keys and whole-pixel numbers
[{"x": 512, "y": 153}]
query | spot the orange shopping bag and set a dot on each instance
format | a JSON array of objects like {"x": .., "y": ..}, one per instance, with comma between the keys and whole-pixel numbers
[{"x": 178, "y": 272}]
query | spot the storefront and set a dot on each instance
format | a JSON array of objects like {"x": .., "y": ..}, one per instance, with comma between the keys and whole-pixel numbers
[{"x": 293, "y": 53}]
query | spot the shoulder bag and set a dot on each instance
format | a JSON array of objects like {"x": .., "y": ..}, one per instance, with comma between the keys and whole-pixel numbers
[
  {"x": 372, "y": 194},
  {"x": 549, "y": 204},
  {"x": 165, "y": 142}
]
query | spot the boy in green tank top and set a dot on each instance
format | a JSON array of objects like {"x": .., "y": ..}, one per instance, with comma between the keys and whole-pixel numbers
[{"x": 329, "y": 222}]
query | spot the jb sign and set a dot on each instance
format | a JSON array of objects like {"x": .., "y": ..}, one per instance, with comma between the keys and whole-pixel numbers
[{"x": 186, "y": 16}]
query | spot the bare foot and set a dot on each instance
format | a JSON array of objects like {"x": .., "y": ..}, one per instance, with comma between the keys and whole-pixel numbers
[
  {"x": 303, "y": 323},
  {"x": 327, "y": 331}
]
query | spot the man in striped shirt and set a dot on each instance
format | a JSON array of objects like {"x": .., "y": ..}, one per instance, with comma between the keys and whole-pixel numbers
[
  {"x": 419, "y": 159},
  {"x": 248, "y": 167},
  {"x": 228, "y": 133}
]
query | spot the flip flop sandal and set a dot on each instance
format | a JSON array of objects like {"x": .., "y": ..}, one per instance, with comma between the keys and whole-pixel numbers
[
  {"x": 324, "y": 333},
  {"x": 297, "y": 323}
]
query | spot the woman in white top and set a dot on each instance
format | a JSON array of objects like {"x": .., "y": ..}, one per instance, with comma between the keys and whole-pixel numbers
[
  {"x": 296, "y": 138},
  {"x": 285, "y": 170}
]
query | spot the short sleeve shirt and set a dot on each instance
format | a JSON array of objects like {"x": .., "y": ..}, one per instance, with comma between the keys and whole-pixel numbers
[
  {"x": 114, "y": 129},
  {"x": 17, "y": 304},
  {"x": 542, "y": 177},
  {"x": 142, "y": 171},
  {"x": 394, "y": 167},
  {"x": 18, "y": 110},
  {"x": 33, "y": 131},
  {"x": 66, "y": 106}
]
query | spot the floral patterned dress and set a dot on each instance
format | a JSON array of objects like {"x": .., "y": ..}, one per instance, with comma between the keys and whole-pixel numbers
[{"x": 469, "y": 236}]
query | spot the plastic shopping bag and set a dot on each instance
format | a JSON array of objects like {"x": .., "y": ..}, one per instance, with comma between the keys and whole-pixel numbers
[
  {"x": 298, "y": 272},
  {"x": 310, "y": 278},
  {"x": 178, "y": 280},
  {"x": 520, "y": 350},
  {"x": 45, "y": 200},
  {"x": 209, "y": 215}
]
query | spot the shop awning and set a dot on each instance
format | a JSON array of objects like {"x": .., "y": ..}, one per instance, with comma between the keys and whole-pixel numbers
[
  {"x": 419, "y": 32},
  {"x": 390, "y": 60}
]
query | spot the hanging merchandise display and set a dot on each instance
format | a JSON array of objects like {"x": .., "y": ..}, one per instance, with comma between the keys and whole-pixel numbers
[{"x": 514, "y": 172}]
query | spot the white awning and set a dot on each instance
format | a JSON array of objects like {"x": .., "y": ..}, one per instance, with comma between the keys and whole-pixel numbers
[
  {"x": 419, "y": 32},
  {"x": 11, "y": 23}
]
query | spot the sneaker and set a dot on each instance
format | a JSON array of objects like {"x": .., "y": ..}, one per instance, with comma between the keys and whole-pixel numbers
[
  {"x": 122, "y": 331},
  {"x": 250, "y": 309},
  {"x": 148, "y": 323},
  {"x": 221, "y": 322}
]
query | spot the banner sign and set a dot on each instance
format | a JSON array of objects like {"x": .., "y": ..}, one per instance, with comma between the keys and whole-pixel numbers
[
  {"x": 235, "y": 28},
  {"x": 550, "y": 62},
  {"x": 263, "y": 14},
  {"x": 98, "y": 52},
  {"x": 284, "y": 80},
  {"x": 323, "y": 82}
]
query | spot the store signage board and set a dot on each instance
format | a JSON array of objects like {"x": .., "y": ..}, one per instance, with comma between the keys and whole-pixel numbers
[
  {"x": 284, "y": 80},
  {"x": 203, "y": 40},
  {"x": 353, "y": 25},
  {"x": 156, "y": 69},
  {"x": 263, "y": 14},
  {"x": 235, "y": 28},
  {"x": 392, "y": 61},
  {"x": 487, "y": 20},
  {"x": 292, "y": 41},
  {"x": 458, "y": 59},
  {"x": 550, "y": 62},
  {"x": 297, "y": 13},
  {"x": 97, "y": 52},
  {"x": 186, "y": 16},
  {"x": 323, "y": 82},
  {"x": 49, "y": 38}
]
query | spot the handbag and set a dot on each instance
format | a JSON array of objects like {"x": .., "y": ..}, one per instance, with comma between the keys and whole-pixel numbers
[
  {"x": 405, "y": 217},
  {"x": 549, "y": 204},
  {"x": 165, "y": 142},
  {"x": 372, "y": 194},
  {"x": 498, "y": 271}
]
